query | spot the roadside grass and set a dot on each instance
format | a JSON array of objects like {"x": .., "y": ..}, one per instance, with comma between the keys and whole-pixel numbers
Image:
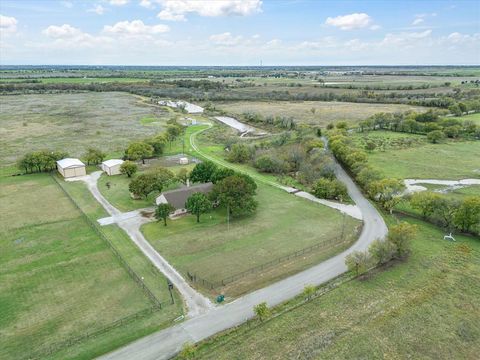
[
  {"x": 283, "y": 224},
  {"x": 58, "y": 278},
  {"x": 425, "y": 307},
  {"x": 73, "y": 122},
  {"x": 325, "y": 112},
  {"x": 449, "y": 160}
]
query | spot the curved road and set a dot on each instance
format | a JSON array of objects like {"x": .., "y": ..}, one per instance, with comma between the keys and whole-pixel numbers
[{"x": 166, "y": 343}]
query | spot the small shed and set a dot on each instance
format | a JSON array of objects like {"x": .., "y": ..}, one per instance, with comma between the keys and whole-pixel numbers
[
  {"x": 112, "y": 166},
  {"x": 70, "y": 167},
  {"x": 183, "y": 161}
]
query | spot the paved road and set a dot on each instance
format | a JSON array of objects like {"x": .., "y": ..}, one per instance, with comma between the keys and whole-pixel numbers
[
  {"x": 196, "y": 303},
  {"x": 166, "y": 343}
]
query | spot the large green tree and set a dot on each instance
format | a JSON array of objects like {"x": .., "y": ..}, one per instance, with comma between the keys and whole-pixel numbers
[
  {"x": 401, "y": 236},
  {"x": 128, "y": 168},
  {"x": 139, "y": 151},
  {"x": 198, "y": 204},
  {"x": 237, "y": 193},
  {"x": 203, "y": 172},
  {"x": 467, "y": 215}
]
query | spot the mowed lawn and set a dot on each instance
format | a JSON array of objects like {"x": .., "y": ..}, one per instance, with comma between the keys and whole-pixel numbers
[
  {"x": 449, "y": 160},
  {"x": 58, "y": 278},
  {"x": 424, "y": 308},
  {"x": 325, "y": 112},
  {"x": 283, "y": 224}
]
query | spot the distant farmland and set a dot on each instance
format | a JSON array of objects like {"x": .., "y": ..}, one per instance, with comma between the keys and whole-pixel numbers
[{"x": 324, "y": 113}]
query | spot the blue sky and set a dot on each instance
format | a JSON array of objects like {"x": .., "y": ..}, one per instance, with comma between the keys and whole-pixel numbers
[{"x": 239, "y": 32}]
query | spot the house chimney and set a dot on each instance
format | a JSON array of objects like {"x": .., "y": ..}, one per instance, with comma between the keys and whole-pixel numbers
[{"x": 188, "y": 182}]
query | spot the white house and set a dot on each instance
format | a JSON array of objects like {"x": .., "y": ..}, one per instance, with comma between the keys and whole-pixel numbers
[
  {"x": 112, "y": 166},
  {"x": 183, "y": 161},
  {"x": 70, "y": 167},
  {"x": 178, "y": 197}
]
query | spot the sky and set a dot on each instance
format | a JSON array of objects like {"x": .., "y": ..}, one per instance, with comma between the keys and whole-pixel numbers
[{"x": 239, "y": 32}]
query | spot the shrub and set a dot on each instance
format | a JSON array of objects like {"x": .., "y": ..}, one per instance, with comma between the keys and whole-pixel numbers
[{"x": 330, "y": 189}]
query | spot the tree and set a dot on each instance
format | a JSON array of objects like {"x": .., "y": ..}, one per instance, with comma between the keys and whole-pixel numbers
[
  {"x": 142, "y": 185},
  {"x": 467, "y": 215},
  {"x": 262, "y": 311},
  {"x": 435, "y": 136},
  {"x": 162, "y": 178},
  {"x": 236, "y": 192},
  {"x": 425, "y": 202},
  {"x": 128, "y": 168},
  {"x": 203, "y": 172},
  {"x": 139, "y": 151},
  {"x": 239, "y": 153},
  {"x": 400, "y": 236},
  {"x": 198, "y": 204},
  {"x": 268, "y": 164},
  {"x": 445, "y": 210},
  {"x": 309, "y": 291},
  {"x": 94, "y": 156},
  {"x": 381, "y": 251},
  {"x": 183, "y": 175},
  {"x": 387, "y": 192},
  {"x": 368, "y": 175},
  {"x": 158, "y": 143},
  {"x": 330, "y": 189},
  {"x": 358, "y": 262},
  {"x": 221, "y": 173},
  {"x": 163, "y": 211}
]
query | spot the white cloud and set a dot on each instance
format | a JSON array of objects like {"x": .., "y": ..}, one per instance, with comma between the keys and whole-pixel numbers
[
  {"x": 135, "y": 28},
  {"x": 350, "y": 22},
  {"x": 225, "y": 39},
  {"x": 175, "y": 10},
  {"x": 405, "y": 38},
  {"x": 69, "y": 37},
  {"x": 457, "y": 38},
  {"x": 418, "y": 21},
  {"x": 8, "y": 24},
  {"x": 63, "y": 31},
  {"x": 118, "y": 2},
  {"x": 97, "y": 9},
  {"x": 146, "y": 4}
]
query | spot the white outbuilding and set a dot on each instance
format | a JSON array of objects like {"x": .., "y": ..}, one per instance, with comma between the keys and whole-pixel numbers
[
  {"x": 70, "y": 167},
  {"x": 112, "y": 166},
  {"x": 183, "y": 161}
]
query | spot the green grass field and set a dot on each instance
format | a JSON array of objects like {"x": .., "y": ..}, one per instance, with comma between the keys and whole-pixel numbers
[
  {"x": 325, "y": 112},
  {"x": 59, "y": 279},
  {"x": 424, "y": 308},
  {"x": 283, "y": 224},
  {"x": 472, "y": 117},
  {"x": 73, "y": 122},
  {"x": 449, "y": 160}
]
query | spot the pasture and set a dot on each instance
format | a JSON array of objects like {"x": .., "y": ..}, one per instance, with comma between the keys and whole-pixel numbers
[
  {"x": 412, "y": 157},
  {"x": 283, "y": 224},
  {"x": 59, "y": 279},
  {"x": 426, "y": 307},
  {"x": 302, "y": 111},
  {"x": 73, "y": 122}
]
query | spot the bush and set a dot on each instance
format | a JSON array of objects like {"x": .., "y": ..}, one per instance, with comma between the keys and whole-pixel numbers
[
  {"x": 240, "y": 153},
  {"x": 330, "y": 189},
  {"x": 268, "y": 164},
  {"x": 435, "y": 136},
  {"x": 358, "y": 262},
  {"x": 381, "y": 251},
  {"x": 401, "y": 235}
]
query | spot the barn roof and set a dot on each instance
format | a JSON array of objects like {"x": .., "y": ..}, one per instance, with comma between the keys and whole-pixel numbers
[
  {"x": 70, "y": 163},
  {"x": 112, "y": 162},
  {"x": 178, "y": 197}
]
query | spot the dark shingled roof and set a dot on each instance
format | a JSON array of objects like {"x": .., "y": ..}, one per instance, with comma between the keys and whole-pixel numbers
[{"x": 178, "y": 197}]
